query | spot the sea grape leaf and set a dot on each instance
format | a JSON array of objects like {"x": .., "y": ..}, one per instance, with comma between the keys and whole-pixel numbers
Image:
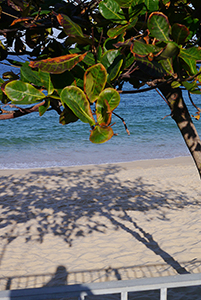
[
  {"x": 108, "y": 57},
  {"x": 103, "y": 112},
  {"x": 89, "y": 59},
  {"x": 153, "y": 68},
  {"x": 67, "y": 116},
  {"x": 30, "y": 76},
  {"x": 190, "y": 56},
  {"x": 43, "y": 108},
  {"x": 192, "y": 87},
  {"x": 167, "y": 66},
  {"x": 80, "y": 40},
  {"x": 46, "y": 81},
  {"x": 152, "y": 5},
  {"x": 59, "y": 64},
  {"x": 115, "y": 68},
  {"x": 116, "y": 31},
  {"x": 124, "y": 3},
  {"x": 109, "y": 44},
  {"x": 20, "y": 92},
  {"x": 111, "y": 10},
  {"x": 101, "y": 135},
  {"x": 142, "y": 49},
  {"x": 170, "y": 50},
  {"x": 190, "y": 53},
  {"x": 70, "y": 28},
  {"x": 112, "y": 97},
  {"x": 180, "y": 33},
  {"x": 94, "y": 81},
  {"x": 76, "y": 100},
  {"x": 158, "y": 25}
]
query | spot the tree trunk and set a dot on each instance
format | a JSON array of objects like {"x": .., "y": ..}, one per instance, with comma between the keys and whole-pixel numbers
[{"x": 180, "y": 114}]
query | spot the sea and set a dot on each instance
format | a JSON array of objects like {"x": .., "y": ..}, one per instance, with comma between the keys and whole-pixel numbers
[{"x": 32, "y": 141}]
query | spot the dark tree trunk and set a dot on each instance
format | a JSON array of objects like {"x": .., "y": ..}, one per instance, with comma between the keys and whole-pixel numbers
[{"x": 181, "y": 116}]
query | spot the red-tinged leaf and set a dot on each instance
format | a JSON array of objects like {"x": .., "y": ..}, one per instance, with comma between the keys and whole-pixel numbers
[
  {"x": 21, "y": 20},
  {"x": 94, "y": 81},
  {"x": 180, "y": 33},
  {"x": 140, "y": 48},
  {"x": 159, "y": 26},
  {"x": 59, "y": 64},
  {"x": 76, "y": 100},
  {"x": 103, "y": 112},
  {"x": 101, "y": 135},
  {"x": 70, "y": 28}
]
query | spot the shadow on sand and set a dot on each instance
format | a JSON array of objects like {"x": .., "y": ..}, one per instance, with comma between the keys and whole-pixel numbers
[{"x": 56, "y": 199}]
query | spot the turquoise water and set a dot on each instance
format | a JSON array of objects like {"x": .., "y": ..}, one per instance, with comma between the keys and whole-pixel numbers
[{"x": 32, "y": 141}]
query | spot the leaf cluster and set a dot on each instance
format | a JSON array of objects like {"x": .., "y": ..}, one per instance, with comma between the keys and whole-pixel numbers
[{"x": 80, "y": 52}]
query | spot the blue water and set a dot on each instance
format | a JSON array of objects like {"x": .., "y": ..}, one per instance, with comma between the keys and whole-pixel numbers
[{"x": 32, "y": 141}]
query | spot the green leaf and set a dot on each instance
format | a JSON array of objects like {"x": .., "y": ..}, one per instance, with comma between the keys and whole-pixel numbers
[
  {"x": 59, "y": 64},
  {"x": 103, "y": 112},
  {"x": 22, "y": 92},
  {"x": 94, "y": 81},
  {"x": 108, "y": 57},
  {"x": 112, "y": 97},
  {"x": 125, "y": 3},
  {"x": 67, "y": 116},
  {"x": 30, "y": 76},
  {"x": 89, "y": 59},
  {"x": 109, "y": 43},
  {"x": 167, "y": 66},
  {"x": 153, "y": 69},
  {"x": 152, "y": 5},
  {"x": 112, "y": 11},
  {"x": 141, "y": 48},
  {"x": 171, "y": 50},
  {"x": 70, "y": 28},
  {"x": 192, "y": 87},
  {"x": 175, "y": 84},
  {"x": 43, "y": 108},
  {"x": 180, "y": 33},
  {"x": 190, "y": 56},
  {"x": 101, "y": 135},
  {"x": 115, "y": 68},
  {"x": 159, "y": 26},
  {"x": 46, "y": 81},
  {"x": 76, "y": 100},
  {"x": 116, "y": 31}
]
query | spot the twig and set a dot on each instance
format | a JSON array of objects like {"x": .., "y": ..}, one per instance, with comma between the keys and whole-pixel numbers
[
  {"x": 199, "y": 110},
  {"x": 126, "y": 128}
]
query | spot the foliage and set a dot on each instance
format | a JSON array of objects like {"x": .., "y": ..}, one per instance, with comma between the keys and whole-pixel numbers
[{"x": 80, "y": 54}]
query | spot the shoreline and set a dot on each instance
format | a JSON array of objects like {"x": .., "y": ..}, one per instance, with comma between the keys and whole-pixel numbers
[{"x": 146, "y": 163}]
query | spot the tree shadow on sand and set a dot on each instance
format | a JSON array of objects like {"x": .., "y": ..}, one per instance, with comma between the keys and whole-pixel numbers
[{"x": 56, "y": 201}]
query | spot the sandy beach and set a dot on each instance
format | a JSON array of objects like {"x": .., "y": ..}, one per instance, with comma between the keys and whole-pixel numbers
[{"x": 99, "y": 222}]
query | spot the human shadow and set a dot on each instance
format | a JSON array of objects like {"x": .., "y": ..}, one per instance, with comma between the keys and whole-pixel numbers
[{"x": 55, "y": 201}]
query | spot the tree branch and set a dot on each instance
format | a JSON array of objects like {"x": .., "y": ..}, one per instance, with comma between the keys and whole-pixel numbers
[{"x": 6, "y": 115}]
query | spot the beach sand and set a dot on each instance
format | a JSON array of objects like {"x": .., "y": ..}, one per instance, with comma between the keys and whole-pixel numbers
[{"x": 99, "y": 222}]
